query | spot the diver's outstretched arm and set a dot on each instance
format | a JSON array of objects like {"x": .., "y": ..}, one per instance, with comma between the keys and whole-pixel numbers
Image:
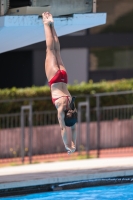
[
  {"x": 74, "y": 137},
  {"x": 61, "y": 116}
]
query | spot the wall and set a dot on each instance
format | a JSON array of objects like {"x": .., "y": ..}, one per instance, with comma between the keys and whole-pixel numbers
[{"x": 47, "y": 139}]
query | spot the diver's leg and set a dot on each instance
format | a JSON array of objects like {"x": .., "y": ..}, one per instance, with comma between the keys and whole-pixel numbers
[
  {"x": 57, "y": 49},
  {"x": 51, "y": 65},
  {"x": 56, "y": 40},
  {"x": 56, "y": 44}
]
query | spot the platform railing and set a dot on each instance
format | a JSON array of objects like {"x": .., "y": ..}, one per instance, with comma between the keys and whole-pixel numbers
[{"x": 100, "y": 129}]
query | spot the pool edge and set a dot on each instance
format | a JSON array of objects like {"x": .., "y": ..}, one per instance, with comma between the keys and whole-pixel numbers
[{"x": 65, "y": 185}]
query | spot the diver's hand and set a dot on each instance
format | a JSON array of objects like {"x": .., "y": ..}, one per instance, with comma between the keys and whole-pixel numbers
[
  {"x": 70, "y": 150},
  {"x": 73, "y": 147}
]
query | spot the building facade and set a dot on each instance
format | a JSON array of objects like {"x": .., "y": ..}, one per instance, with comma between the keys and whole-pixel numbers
[{"x": 103, "y": 52}]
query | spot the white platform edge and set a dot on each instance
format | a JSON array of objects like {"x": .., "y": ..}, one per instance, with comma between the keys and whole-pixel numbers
[{"x": 20, "y": 31}]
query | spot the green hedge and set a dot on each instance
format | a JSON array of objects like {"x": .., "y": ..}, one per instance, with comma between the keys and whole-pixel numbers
[{"x": 76, "y": 89}]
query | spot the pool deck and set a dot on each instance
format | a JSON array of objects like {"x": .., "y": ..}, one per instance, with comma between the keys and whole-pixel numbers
[{"x": 65, "y": 171}]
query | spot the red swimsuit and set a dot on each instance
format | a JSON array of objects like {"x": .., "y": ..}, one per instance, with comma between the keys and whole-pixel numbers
[{"x": 60, "y": 76}]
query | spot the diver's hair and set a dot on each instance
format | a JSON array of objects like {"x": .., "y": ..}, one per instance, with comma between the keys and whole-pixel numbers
[
  {"x": 70, "y": 117},
  {"x": 71, "y": 114}
]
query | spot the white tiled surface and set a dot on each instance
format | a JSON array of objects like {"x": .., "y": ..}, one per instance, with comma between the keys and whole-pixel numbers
[{"x": 57, "y": 172}]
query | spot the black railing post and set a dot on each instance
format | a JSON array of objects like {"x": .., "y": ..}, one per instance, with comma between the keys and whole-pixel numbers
[
  {"x": 22, "y": 135},
  {"x": 23, "y": 108},
  {"x": 88, "y": 126},
  {"x": 79, "y": 128},
  {"x": 98, "y": 125},
  {"x": 30, "y": 133}
]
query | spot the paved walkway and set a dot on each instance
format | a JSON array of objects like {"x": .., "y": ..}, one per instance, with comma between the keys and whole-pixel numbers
[{"x": 59, "y": 172}]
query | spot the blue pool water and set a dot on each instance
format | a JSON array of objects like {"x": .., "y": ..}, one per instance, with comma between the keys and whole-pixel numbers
[{"x": 114, "y": 192}]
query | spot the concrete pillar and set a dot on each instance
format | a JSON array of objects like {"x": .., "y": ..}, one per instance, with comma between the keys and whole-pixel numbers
[{"x": 76, "y": 63}]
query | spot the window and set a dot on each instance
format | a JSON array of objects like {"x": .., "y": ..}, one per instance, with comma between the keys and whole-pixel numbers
[{"x": 111, "y": 58}]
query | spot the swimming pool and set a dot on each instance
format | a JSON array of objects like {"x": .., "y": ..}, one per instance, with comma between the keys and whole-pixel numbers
[{"x": 113, "y": 192}]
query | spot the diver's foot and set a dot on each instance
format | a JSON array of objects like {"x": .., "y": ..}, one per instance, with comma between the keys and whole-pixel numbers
[
  {"x": 46, "y": 19},
  {"x": 50, "y": 17}
]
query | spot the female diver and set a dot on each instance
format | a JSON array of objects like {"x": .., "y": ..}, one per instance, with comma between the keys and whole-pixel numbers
[{"x": 57, "y": 78}]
